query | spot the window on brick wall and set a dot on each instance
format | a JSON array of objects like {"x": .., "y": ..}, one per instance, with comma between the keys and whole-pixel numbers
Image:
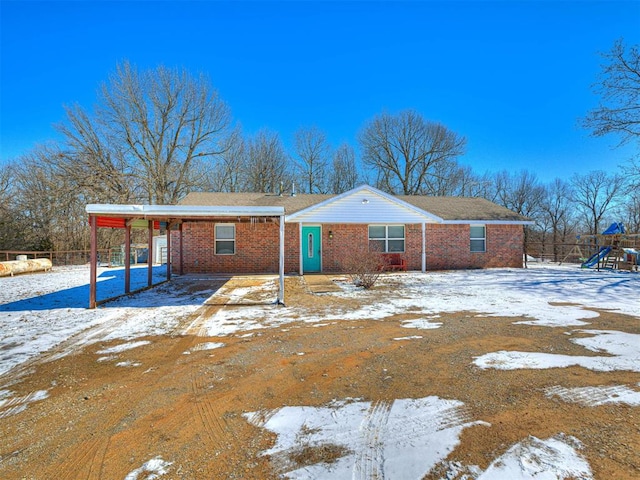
[
  {"x": 225, "y": 241},
  {"x": 386, "y": 238},
  {"x": 478, "y": 238}
]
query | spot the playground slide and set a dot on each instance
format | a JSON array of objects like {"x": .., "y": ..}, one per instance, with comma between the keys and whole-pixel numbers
[{"x": 596, "y": 257}]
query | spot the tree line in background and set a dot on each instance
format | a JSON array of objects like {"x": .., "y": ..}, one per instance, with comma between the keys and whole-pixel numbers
[{"x": 156, "y": 135}]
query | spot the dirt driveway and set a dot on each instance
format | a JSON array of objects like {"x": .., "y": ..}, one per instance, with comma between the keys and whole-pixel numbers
[{"x": 180, "y": 399}]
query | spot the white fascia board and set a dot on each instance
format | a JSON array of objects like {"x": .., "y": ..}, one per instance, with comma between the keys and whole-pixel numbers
[
  {"x": 113, "y": 209},
  {"x": 488, "y": 222},
  {"x": 183, "y": 211},
  {"x": 208, "y": 211},
  {"x": 374, "y": 191}
]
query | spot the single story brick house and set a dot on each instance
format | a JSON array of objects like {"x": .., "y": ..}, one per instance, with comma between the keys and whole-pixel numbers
[{"x": 322, "y": 231}]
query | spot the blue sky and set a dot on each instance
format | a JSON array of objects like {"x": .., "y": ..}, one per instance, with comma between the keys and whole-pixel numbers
[{"x": 513, "y": 77}]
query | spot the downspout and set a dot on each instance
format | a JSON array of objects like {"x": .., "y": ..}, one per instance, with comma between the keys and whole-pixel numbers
[{"x": 300, "y": 248}]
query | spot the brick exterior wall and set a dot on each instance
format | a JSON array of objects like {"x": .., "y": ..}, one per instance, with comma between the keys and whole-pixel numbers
[
  {"x": 350, "y": 239},
  {"x": 448, "y": 247},
  {"x": 257, "y": 247}
]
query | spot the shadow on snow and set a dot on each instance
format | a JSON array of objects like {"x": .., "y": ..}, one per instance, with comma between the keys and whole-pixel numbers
[{"x": 110, "y": 284}]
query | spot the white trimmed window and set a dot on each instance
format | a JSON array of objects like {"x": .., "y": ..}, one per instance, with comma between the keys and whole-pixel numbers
[
  {"x": 478, "y": 238},
  {"x": 225, "y": 241},
  {"x": 386, "y": 238}
]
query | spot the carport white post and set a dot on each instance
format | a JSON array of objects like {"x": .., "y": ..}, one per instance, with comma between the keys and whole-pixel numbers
[
  {"x": 150, "y": 254},
  {"x": 93, "y": 261},
  {"x": 424, "y": 247},
  {"x": 281, "y": 263},
  {"x": 127, "y": 256}
]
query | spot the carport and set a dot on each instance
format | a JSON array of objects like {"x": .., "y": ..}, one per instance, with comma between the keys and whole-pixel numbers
[{"x": 172, "y": 216}]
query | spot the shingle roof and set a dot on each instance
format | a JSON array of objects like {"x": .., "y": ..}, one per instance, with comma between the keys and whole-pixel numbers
[
  {"x": 463, "y": 208},
  {"x": 291, "y": 203},
  {"x": 447, "y": 208}
]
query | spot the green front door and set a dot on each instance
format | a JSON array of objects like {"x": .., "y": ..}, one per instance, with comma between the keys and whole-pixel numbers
[{"x": 311, "y": 249}]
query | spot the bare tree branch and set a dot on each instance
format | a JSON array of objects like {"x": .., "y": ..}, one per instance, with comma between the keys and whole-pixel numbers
[
  {"x": 403, "y": 150},
  {"x": 619, "y": 91}
]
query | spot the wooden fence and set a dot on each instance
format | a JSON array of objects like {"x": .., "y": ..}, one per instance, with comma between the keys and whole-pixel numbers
[
  {"x": 113, "y": 257},
  {"x": 57, "y": 257}
]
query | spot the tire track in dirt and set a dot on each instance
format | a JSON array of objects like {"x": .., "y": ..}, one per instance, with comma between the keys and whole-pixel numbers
[
  {"x": 369, "y": 462},
  {"x": 209, "y": 416},
  {"x": 87, "y": 462}
]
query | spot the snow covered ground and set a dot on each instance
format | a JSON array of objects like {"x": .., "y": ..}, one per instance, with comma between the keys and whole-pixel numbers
[{"x": 41, "y": 311}]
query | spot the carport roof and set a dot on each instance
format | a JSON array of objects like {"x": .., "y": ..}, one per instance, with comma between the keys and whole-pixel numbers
[{"x": 156, "y": 212}]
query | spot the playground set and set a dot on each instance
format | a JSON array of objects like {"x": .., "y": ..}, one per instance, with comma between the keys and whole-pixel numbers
[{"x": 612, "y": 249}]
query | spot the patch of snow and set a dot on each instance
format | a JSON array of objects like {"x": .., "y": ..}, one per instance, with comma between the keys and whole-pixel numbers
[
  {"x": 458, "y": 471},
  {"x": 107, "y": 358},
  {"x": 13, "y": 405},
  {"x": 150, "y": 470},
  {"x": 123, "y": 347},
  {"x": 595, "y": 396},
  {"x": 399, "y": 439},
  {"x": 421, "y": 324},
  {"x": 554, "y": 458},
  {"x": 206, "y": 346},
  {"x": 412, "y": 337},
  {"x": 623, "y": 348},
  {"x": 128, "y": 363}
]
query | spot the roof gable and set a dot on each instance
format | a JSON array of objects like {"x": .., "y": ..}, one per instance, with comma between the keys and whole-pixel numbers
[{"x": 363, "y": 204}]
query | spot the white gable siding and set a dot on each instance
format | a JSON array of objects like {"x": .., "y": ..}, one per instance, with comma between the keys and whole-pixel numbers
[{"x": 363, "y": 206}]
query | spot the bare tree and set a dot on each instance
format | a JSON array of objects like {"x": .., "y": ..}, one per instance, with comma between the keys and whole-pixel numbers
[
  {"x": 5, "y": 185},
  {"x": 632, "y": 212},
  {"x": 556, "y": 208},
  {"x": 632, "y": 171},
  {"x": 451, "y": 179},
  {"x": 97, "y": 164},
  {"x": 343, "y": 175},
  {"x": 404, "y": 149},
  {"x": 8, "y": 213},
  {"x": 267, "y": 168},
  {"x": 150, "y": 128},
  {"x": 595, "y": 194},
  {"x": 50, "y": 206},
  {"x": 521, "y": 193},
  {"x": 312, "y": 150},
  {"x": 229, "y": 172},
  {"x": 619, "y": 91}
]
